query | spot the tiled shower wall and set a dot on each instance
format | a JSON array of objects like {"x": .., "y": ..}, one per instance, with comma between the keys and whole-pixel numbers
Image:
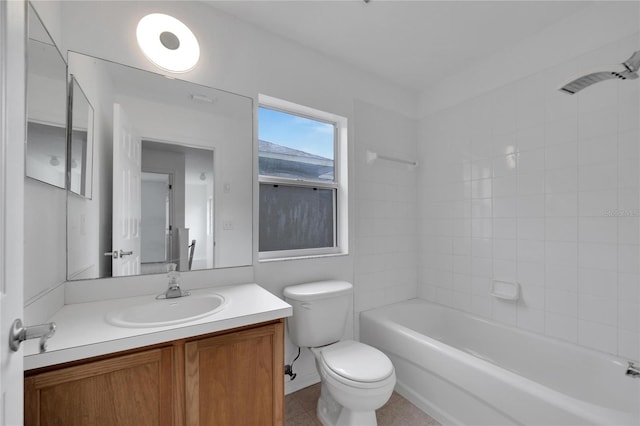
[
  {"x": 526, "y": 184},
  {"x": 386, "y": 255}
]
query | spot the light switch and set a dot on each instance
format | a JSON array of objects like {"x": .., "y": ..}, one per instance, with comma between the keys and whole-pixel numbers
[{"x": 227, "y": 187}]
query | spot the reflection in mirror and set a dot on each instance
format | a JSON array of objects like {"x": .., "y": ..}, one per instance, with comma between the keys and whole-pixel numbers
[
  {"x": 46, "y": 106},
  {"x": 176, "y": 210},
  {"x": 172, "y": 176},
  {"x": 81, "y": 141}
]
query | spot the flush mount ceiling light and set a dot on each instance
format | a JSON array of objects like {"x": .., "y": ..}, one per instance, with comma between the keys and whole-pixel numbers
[{"x": 168, "y": 43}]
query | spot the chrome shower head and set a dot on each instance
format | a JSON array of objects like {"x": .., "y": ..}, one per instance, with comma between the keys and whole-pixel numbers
[{"x": 628, "y": 71}]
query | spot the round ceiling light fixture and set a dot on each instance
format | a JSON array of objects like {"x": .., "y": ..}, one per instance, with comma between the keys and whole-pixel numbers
[{"x": 168, "y": 43}]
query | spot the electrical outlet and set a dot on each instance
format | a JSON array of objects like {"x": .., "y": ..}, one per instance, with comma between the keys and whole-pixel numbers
[{"x": 227, "y": 225}]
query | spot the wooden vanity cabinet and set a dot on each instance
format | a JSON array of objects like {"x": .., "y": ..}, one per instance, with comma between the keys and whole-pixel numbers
[{"x": 233, "y": 377}]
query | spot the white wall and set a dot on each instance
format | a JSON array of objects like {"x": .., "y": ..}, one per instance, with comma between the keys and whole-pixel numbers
[{"x": 525, "y": 184}]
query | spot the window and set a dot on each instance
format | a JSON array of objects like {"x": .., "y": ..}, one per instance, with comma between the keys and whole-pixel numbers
[{"x": 302, "y": 179}]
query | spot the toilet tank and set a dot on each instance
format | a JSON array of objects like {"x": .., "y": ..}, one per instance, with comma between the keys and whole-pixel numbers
[{"x": 320, "y": 312}]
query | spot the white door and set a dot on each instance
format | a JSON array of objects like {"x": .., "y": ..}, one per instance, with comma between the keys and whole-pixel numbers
[
  {"x": 127, "y": 212},
  {"x": 12, "y": 136}
]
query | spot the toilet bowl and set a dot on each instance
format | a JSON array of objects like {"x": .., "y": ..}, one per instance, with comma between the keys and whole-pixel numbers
[{"x": 356, "y": 380}]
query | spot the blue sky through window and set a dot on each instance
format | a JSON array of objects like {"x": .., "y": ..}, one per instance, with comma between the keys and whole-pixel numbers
[{"x": 293, "y": 131}]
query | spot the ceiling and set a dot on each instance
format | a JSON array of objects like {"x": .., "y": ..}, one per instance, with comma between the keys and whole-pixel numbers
[{"x": 414, "y": 44}]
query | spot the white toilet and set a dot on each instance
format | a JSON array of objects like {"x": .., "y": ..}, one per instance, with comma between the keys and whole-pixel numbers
[{"x": 356, "y": 379}]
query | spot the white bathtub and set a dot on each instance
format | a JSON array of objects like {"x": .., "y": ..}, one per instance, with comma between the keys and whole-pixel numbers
[{"x": 466, "y": 370}]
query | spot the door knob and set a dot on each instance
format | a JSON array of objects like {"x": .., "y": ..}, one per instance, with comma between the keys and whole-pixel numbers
[
  {"x": 116, "y": 254},
  {"x": 19, "y": 333}
]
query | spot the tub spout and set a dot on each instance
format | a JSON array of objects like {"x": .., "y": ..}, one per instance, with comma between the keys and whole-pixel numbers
[{"x": 633, "y": 371}]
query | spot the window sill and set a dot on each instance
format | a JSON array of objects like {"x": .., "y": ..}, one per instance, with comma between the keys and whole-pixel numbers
[{"x": 302, "y": 257}]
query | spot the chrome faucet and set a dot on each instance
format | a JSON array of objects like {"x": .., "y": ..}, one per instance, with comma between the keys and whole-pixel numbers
[
  {"x": 174, "y": 289},
  {"x": 633, "y": 371}
]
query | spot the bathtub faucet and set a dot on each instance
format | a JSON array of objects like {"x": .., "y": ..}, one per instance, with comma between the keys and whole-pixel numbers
[{"x": 633, "y": 371}]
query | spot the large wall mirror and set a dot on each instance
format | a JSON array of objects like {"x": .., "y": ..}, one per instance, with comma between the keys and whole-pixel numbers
[
  {"x": 46, "y": 152},
  {"x": 172, "y": 175}
]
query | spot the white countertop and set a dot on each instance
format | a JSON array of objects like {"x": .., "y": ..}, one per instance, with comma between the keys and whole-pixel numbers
[{"x": 83, "y": 332}]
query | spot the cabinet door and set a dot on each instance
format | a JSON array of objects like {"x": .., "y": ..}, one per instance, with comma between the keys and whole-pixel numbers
[
  {"x": 236, "y": 378},
  {"x": 131, "y": 390}
]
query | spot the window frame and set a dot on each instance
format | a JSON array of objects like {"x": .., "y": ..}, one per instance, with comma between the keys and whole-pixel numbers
[{"x": 338, "y": 185}]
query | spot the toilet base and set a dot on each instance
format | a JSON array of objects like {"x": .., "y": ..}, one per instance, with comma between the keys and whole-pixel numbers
[{"x": 331, "y": 413}]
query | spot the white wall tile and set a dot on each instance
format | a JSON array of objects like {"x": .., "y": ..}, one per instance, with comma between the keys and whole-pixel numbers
[
  {"x": 482, "y": 305},
  {"x": 530, "y": 137},
  {"x": 598, "y": 203},
  {"x": 558, "y": 181},
  {"x": 531, "y": 206},
  {"x": 481, "y": 228},
  {"x": 561, "y": 278},
  {"x": 505, "y": 207},
  {"x": 505, "y": 270},
  {"x": 531, "y": 161},
  {"x": 598, "y": 122},
  {"x": 531, "y": 250},
  {"x": 598, "y": 177},
  {"x": 605, "y": 256},
  {"x": 533, "y": 296},
  {"x": 561, "y": 253},
  {"x": 531, "y": 319},
  {"x": 531, "y": 273},
  {"x": 602, "y": 310},
  {"x": 561, "y": 326},
  {"x": 505, "y": 228},
  {"x": 505, "y": 312},
  {"x": 531, "y": 228},
  {"x": 481, "y": 188},
  {"x": 562, "y": 130},
  {"x": 505, "y": 186},
  {"x": 504, "y": 143},
  {"x": 598, "y": 336},
  {"x": 628, "y": 259},
  {"x": 561, "y": 156},
  {"x": 561, "y": 302},
  {"x": 629, "y": 317},
  {"x": 505, "y": 165},
  {"x": 628, "y": 287},
  {"x": 598, "y": 282},
  {"x": 505, "y": 249},
  {"x": 598, "y": 229},
  {"x": 561, "y": 229},
  {"x": 561, "y": 205},
  {"x": 628, "y": 344},
  {"x": 531, "y": 183}
]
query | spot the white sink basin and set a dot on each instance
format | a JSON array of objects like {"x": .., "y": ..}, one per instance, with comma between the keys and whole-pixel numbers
[{"x": 163, "y": 312}]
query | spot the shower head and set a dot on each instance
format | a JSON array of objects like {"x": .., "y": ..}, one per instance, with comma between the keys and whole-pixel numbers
[{"x": 628, "y": 71}]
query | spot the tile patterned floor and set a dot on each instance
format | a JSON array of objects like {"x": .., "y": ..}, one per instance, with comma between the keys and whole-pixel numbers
[{"x": 300, "y": 410}]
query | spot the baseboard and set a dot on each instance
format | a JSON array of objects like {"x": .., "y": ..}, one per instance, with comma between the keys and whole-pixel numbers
[{"x": 300, "y": 382}]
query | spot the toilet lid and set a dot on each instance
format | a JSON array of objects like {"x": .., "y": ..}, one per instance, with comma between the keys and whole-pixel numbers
[{"x": 357, "y": 361}]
